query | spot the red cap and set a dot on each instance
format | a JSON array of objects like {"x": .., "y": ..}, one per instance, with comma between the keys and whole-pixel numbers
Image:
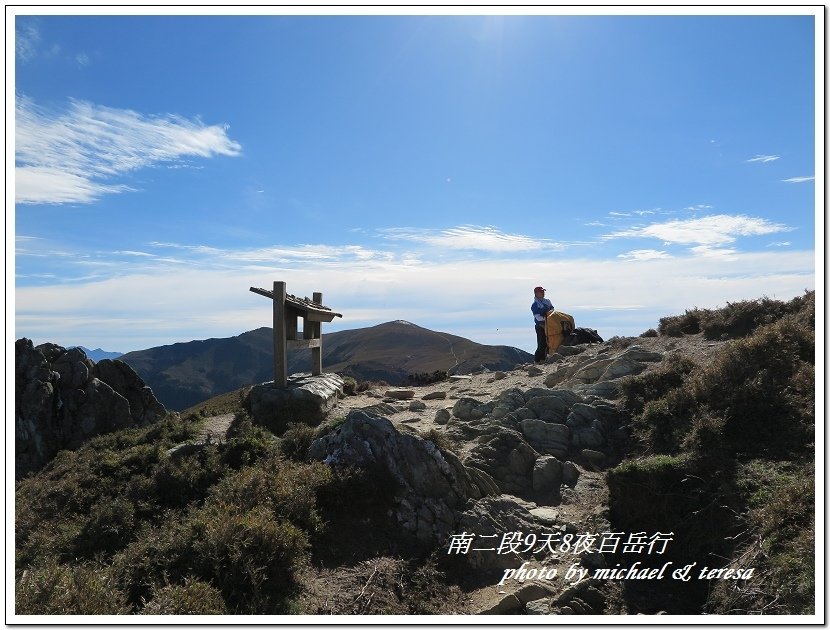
[{"x": 535, "y": 289}]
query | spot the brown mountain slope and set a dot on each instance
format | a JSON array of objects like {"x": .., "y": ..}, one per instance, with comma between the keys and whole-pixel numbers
[{"x": 184, "y": 374}]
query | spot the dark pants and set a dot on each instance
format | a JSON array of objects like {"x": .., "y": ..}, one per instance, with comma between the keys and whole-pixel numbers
[{"x": 541, "y": 344}]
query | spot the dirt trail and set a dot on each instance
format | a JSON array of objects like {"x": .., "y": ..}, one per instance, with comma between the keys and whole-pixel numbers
[{"x": 215, "y": 428}]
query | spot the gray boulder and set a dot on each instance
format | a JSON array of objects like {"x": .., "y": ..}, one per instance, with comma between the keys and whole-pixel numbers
[
  {"x": 433, "y": 484},
  {"x": 144, "y": 408},
  {"x": 488, "y": 520},
  {"x": 548, "y": 438},
  {"x": 471, "y": 409},
  {"x": 547, "y": 478},
  {"x": 306, "y": 399},
  {"x": 505, "y": 455}
]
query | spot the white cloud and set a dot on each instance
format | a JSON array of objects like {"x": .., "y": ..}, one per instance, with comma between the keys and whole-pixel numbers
[
  {"x": 471, "y": 237},
  {"x": 799, "y": 180},
  {"x": 719, "y": 229},
  {"x": 700, "y": 206},
  {"x": 148, "y": 306},
  {"x": 644, "y": 254},
  {"x": 764, "y": 159},
  {"x": 723, "y": 253},
  {"x": 73, "y": 156},
  {"x": 26, "y": 40}
]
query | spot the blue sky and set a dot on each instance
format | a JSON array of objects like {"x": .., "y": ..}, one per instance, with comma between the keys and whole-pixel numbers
[{"x": 422, "y": 167}]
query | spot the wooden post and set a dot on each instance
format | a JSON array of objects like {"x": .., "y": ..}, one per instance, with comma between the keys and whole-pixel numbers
[
  {"x": 316, "y": 327},
  {"x": 280, "y": 336}
]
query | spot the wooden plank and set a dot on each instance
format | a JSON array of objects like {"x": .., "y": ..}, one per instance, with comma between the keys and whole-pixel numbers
[
  {"x": 267, "y": 294},
  {"x": 301, "y": 305},
  {"x": 316, "y": 316},
  {"x": 294, "y": 344}
]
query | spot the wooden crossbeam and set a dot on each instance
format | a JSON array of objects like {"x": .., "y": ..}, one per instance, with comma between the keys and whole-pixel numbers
[{"x": 316, "y": 312}]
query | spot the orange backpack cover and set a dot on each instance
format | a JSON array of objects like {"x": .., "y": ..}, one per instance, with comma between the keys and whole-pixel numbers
[{"x": 557, "y": 326}]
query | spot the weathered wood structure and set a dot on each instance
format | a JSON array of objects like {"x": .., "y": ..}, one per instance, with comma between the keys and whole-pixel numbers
[{"x": 287, "y": 310}]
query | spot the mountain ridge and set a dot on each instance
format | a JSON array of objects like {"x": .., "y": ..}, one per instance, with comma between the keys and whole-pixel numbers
[
  {"x": 98, "y": 354},
  {"x": 186, "y": 373}
]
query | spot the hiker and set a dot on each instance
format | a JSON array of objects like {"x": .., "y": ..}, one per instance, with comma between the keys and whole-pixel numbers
[{"x": 540, "y": 308}]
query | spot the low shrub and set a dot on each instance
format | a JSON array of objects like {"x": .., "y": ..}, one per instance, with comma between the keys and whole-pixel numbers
[
  {"x": 650, "y": 333},
  {"x": 779, "y": 544},
  {"x": 664, "y": 423},
  {"x": 349, "y": 386},
  {"x": 679, "y": 325},
  {"x": 739, "y": 319},
  {"x": 296, "y": 441},
  {"x": 762, "y": 389},
  {"x": 427, "y": 378},
  {"x": 636, "y": 391},
  {"x": 251, "y": 557},
  {"x": 177, "y": 481},
  {"x": 194, "y": 597},
  {"x": 440, "y": 439},
  {"x": 288, "y": 489},
  {"x": 160, "y": 554},
  {"x": 110, "y": 526},
  {"x": 247, "y": 443},
  {"x": 58, "y": 589}
]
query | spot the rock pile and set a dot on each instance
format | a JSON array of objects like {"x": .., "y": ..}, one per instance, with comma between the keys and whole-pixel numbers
[{"x": 62, "y": 398}]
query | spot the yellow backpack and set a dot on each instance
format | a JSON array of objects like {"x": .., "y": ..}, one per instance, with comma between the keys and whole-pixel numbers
[{"x": 558, "y": 325}]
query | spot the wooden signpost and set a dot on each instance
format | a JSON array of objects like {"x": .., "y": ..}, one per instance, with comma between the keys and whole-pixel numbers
[{"x": 287, "y": 309}]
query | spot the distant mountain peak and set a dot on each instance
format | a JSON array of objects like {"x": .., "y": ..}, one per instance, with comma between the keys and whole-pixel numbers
[
  {"x": 402, "y": 321},
  {"x": 99, "y": 354}
]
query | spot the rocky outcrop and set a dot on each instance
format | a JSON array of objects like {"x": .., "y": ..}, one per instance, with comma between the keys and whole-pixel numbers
[
  {"x": 606, "y": 366},
  {"x": 433, "y": 484},
  {"x": 519, "y": 426},
  {"x": 144, "y": 408},
  {"x": 62, "y": 398},
  {"x": 487, "y": 521}
]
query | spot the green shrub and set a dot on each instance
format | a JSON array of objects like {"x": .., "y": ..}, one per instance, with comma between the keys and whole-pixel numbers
[
  {"x": 160, "y": 554},
  {"x": 761, "y": 387},
  {"x": 194, "y": 597},
  {"x": 252, "y": 558},
  {"x": 37, "y": 540},
  {"x": 739, "y": 319},
  {"x": 679, "y": 325},
  {"x": 296, "y": 441},
  {"x": 663, "y": 423},
  {"x": 427, "y": 378},
  {"x": 755, "y": 396},
  {"x": 636, "y": 391},
  {"x": 349, "y": 386},
  {"x": 180, "y": 480},
  {"x": 779, "y": 544},
  {"x": 110, "y": 526},
  {"x": 440, "y": 439},
  {"x": 55, "y": 589},
  {"x": 288, "y": 489},
  {"x": 247, "y": 443}
]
